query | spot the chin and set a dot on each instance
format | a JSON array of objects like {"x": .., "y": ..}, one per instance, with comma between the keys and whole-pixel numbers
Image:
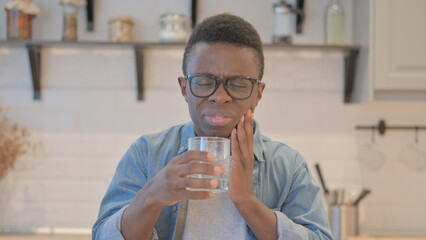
[{"x": 225, "y": 133}]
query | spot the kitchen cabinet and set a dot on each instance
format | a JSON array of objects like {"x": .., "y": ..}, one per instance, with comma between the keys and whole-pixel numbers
[
  {"x": 399, "y": 44},
  {"x": 393, "y": 65}
]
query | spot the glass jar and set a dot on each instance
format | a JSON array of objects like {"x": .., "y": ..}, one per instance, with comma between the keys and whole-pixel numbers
[
  {"x": 19, "y": 25},
  {"x": 20, "y": 14},
  {"x": 285, "y": 22},
  {"x": 174, "y": 28},
  {"x": 69, "y": 30},
  {"x": 334, "y": 27},
  {"x": 120, "y": 29}
]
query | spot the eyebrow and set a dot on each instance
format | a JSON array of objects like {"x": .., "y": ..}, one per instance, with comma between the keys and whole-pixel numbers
[{"x": 213, "y": 75}]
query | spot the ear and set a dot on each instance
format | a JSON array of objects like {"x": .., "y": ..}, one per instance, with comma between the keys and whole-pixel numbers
[
  {"x": 260, "y": 89},
  {"x": 182, "y": 84}
]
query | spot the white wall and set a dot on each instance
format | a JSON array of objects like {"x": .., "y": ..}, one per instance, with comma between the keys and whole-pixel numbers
[{"x": 88, "y": 116}]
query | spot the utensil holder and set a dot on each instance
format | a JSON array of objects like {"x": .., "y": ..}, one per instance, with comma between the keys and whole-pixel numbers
[{"x": 344, "y": 221}]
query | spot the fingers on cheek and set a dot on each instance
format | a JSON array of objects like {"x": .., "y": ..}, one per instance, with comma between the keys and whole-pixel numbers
[
  {"x": 248, "y": 127},
  {"x": 241, "y": 122},
  {"x": 233, "y": 139},
  {"x": 249, "y": 119},
  {"x": 234, "y": 135},
  {"x": 248, "y": 115},
  {"x": 240, "y": 128},
  {"x": 242, "y": 134}
]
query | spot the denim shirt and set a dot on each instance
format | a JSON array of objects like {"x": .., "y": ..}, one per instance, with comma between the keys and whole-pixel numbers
[{"x": 281, "y": 180}]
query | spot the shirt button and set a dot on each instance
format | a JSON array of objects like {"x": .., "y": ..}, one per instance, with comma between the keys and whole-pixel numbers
[
  {"x": 174, "y": 208},
  {"x": 181, "y": 149},
  {"x": 261, "y": 160}
]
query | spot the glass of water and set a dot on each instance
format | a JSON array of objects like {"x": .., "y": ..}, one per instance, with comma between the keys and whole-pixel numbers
[{"x": 220, "y": 148}]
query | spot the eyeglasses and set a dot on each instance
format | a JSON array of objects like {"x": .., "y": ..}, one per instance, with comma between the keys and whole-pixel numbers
[{"x": 204, "y": 85}]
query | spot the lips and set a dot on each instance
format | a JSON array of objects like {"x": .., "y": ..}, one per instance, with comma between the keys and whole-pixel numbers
[{"x": 218, "y": 119}]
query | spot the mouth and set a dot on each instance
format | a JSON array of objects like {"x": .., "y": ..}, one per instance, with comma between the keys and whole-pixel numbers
[{"x": 218, "y": 120}]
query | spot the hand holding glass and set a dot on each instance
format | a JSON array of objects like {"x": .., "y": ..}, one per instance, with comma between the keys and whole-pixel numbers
[{"x": 220, "y": 148}]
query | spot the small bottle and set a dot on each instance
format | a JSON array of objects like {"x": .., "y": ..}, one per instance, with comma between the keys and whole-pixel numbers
[{"x": 334, "y": 30}]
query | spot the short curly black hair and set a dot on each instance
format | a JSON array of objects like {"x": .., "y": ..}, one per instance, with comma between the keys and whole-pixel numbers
[{"x": 226, "y": 28}]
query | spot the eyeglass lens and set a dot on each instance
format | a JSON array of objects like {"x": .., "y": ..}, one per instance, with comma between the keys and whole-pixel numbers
[{"x": 203, "y": 86}]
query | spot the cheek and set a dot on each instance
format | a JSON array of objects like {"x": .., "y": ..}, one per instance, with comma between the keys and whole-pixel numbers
[
  {"x": 251, "y": 104},
  {"x": 193, "y": 103}
]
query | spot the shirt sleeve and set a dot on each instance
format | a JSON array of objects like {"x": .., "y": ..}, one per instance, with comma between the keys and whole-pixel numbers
[
  {"x": 111, "y": 227},
  {"x": 129, "y": 178},
  {"x": 302, "y": 216},
  {"x": 286, "y": 229}
]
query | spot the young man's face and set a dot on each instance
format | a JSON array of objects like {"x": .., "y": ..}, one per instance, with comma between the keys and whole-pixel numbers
[{"x": 219, "y": 113}]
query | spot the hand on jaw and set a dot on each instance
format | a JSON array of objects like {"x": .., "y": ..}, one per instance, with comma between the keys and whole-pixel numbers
[
  {"x": 241, "y": 173},
  {"x": 261, "y": 220}
]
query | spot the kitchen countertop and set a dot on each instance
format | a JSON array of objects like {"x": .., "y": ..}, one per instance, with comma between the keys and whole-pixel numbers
[
  {"x": 88, "y": 237},
  {"x": 45, "y": 237},
  {"x": 386, "y": 238}
]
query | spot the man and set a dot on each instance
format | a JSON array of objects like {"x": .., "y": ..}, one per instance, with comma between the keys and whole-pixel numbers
[{"x": 272, "y": 194}]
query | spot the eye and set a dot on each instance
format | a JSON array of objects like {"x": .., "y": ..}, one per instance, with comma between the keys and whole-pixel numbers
[
  {"x": 239, "y": 84},
  {"x": 203, "y": 81}
]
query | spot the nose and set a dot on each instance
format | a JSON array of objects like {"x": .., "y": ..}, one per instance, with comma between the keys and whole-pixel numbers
[{"x": 220, "y": 96}]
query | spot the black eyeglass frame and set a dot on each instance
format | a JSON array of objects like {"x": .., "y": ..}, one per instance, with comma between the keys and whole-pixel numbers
[{"x": 224, "y": 81}]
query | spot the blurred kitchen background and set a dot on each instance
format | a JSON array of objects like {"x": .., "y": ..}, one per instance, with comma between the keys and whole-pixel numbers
[{"x": 89, "y": 114}]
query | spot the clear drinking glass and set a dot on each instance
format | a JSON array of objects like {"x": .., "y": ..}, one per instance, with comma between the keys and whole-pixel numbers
[{"x": 220, "y": 148}]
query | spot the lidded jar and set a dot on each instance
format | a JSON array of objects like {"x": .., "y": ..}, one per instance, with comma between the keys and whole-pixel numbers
[
  {"x": 285, "y": 22},
  {"x": 174, "y": 28},
  {"x": 70, "y": 7},
  {"x": 120, "y": 28},
  {"x": 20, "y": 14}
]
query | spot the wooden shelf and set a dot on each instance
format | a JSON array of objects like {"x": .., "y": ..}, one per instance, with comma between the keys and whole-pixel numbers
[{"x": 34, "y": 48}]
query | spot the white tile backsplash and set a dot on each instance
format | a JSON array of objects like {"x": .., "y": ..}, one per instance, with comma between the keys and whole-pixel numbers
[
  {"x": 11, "y": 58},
  {"x": 83, "y": 99},
  {"x": 44, "y": 119},
  {"x": 99, "y": 144},
  {"x": 73, "y": 190},
  {"x": 106, "y": 68},
  {"x": 303, "y": 70}
]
